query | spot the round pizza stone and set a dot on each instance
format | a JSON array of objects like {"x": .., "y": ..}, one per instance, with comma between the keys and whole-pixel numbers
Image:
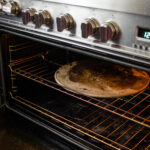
[{"x": 101, "y": 79}]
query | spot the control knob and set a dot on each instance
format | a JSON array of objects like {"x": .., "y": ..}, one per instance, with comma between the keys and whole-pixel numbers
[
  {"x": 1, "y": 6},
  {"x": 65, "y": 22},
  {"x": 90, "y": 27},
  {"x": 2, "y": 3},
  {"x": 28, "y": 15},
  {"x": 10, "y": 7},
  {"x": 109, "y": 31},
  {"x": 42, "y": 17}
]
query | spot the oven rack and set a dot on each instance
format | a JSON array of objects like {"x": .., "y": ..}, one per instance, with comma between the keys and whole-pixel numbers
[
  {"x": 135, "y": 108},
  {"x": 99, "y": 133},
  {"x": 41, "y": 71},
  {"x": 20, "y": 50}
]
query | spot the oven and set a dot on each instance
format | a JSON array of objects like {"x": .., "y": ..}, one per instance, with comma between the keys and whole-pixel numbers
[{"x": 39, "y": 36}]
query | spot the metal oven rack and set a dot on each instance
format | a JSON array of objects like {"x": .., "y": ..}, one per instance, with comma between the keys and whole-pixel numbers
[{"x": 121, "y": 123}]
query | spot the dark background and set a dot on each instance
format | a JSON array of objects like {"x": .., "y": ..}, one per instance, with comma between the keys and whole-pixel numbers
[{"x": 17, "y": 133}]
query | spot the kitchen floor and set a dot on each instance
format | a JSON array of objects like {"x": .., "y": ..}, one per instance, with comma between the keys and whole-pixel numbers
[{"x": 17, "y": 133}]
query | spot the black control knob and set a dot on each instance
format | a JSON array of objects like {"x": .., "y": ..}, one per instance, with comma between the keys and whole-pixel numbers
[
  {"x": 42, "y": 17},
  {"x": 109, "y": 31},
  {"x": 90, "y": 27},
  {"x": 28, "y": 15},
  {"x": 65, "y": 22}
]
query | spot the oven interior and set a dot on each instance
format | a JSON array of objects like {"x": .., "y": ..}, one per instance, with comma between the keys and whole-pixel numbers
[{"x": 114, "y": 123}]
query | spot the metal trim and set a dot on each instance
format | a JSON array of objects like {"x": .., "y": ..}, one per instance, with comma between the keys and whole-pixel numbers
[
  {"x": 95, "y": 47},
  {"x": 127, "y": 6},
  {"x": 102, "y": 53}
]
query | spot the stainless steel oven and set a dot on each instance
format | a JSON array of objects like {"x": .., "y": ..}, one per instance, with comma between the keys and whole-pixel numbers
[{"x": 39, "y": 36}]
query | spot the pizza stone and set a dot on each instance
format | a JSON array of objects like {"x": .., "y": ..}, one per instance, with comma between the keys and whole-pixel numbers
[{"x": 101, "y": 79}]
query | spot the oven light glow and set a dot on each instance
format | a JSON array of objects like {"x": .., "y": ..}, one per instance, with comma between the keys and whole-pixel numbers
[{"x": 147, "y": 35}]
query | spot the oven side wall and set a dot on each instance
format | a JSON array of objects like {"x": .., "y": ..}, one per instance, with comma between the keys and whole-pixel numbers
[
  {"x": 4, "y": 79},
  {"x": 1, "y": 88},
  {"x": 1, "y": 74}
]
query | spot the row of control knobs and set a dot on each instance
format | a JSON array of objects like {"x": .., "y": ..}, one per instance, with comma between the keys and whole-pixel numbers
[{"x": 90, "y": 27}]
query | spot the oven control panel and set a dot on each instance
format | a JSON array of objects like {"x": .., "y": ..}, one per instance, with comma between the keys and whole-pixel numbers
[
  {"x": 116, "y": 29},
  {"x": 110, "y": 30},
  {"x": 89, "y": 27}
]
